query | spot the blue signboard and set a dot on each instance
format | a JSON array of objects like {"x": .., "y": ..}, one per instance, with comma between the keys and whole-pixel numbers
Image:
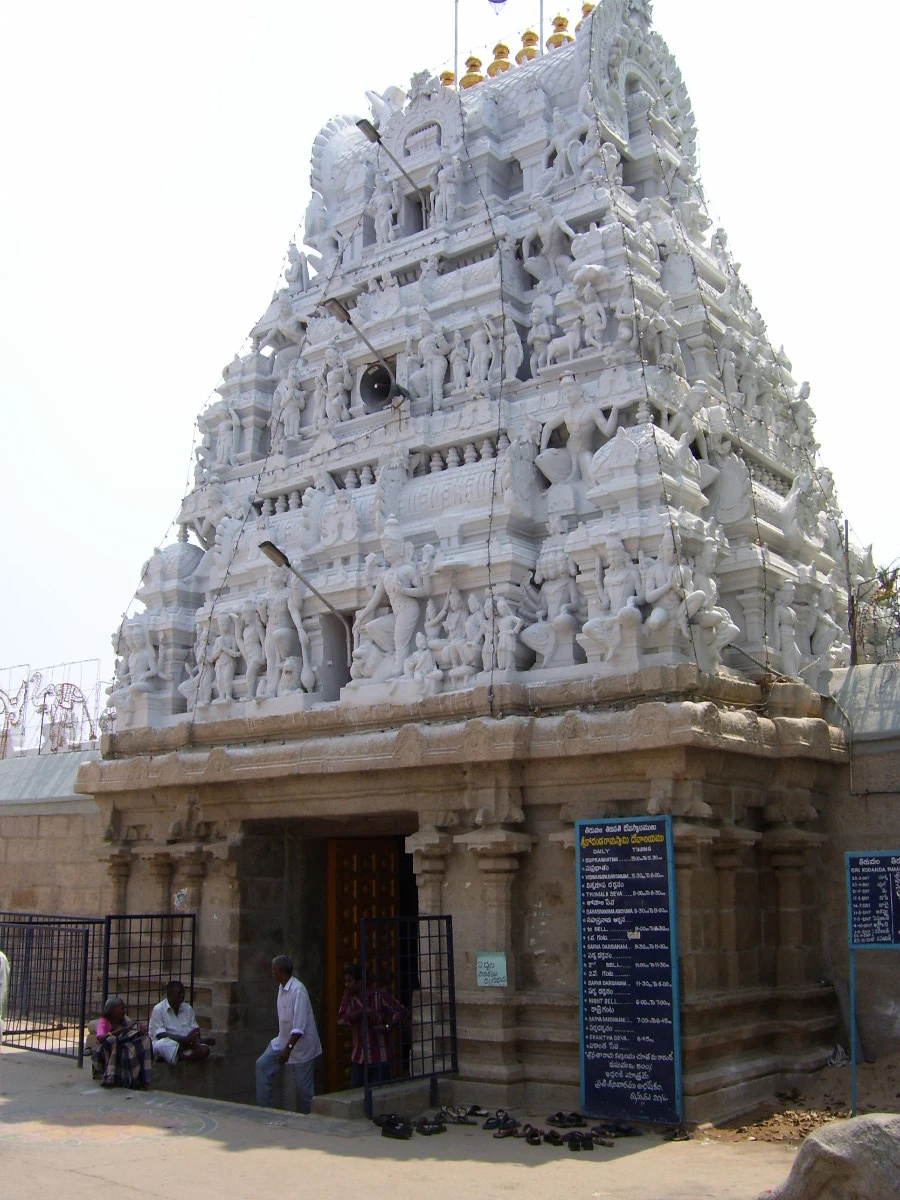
[
  {"x": 628, "y": 968},
  {"x": 873, "y": 900}
]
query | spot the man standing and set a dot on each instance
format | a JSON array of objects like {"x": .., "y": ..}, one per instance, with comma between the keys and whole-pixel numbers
[
  {"x": 174, "y": 1031},
  {"x": 383, "y": 1016},
  {"x": 297, "y": 1044}
]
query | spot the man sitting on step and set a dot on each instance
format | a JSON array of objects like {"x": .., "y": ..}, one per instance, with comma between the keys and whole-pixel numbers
[{"x": 174, "y": 1031}]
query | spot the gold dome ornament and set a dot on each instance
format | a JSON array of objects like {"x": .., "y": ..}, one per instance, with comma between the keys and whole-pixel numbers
[
  {"x": 473, "y": 72},
  {"x": 447, "y": 79},
  {"x": 529, "y": 47},
  {"x": 586, "y": 10},
  {"x": 501, "y": 60},
  {"x": 560, "y": 35}
]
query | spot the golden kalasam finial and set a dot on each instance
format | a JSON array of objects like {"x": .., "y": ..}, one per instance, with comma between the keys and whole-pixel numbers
[
  {"x": 560, "y": 35},
  {"x": 448, "y": 78},
  {"x": 529, "y": 47},
  {"x": 473, "y": 73},
  {"x": 501, "y": 60},
  {"x": 586, "y": 9}
]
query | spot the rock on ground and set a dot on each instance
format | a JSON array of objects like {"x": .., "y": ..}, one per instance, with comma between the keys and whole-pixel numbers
[{"x": 857, "y": 1159}]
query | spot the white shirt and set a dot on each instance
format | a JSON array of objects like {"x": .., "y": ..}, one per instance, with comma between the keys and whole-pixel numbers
[
  {"x": 165, "y": 1020},
  {"x": 295, "y": 1015}
]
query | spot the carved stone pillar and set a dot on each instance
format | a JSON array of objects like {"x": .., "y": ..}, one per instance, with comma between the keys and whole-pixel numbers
[
  {"x": 191, "y": 873},
  {"x": 687, "y": 839},
  {"x": 787, "y": 847},
  {"x": 118, "y": 868},
  {"x": 430, "y": 848},
  {"x": 498, "y": 851},
  {"x": 162, "y": 869},
  {"x": 727, "y": 856}
]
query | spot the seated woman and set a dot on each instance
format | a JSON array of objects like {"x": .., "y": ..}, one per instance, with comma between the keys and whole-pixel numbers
[{"x": 123, "y": 1055}]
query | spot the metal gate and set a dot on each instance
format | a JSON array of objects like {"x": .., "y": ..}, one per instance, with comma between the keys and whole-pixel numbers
[
  {"x": 410, "y": 960},
  {"x": 63, "y": 968},
  {"x": 47, "y": 1001}
]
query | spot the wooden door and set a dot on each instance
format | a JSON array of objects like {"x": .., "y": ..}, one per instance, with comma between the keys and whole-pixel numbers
[{"x": 361, "y": 880}]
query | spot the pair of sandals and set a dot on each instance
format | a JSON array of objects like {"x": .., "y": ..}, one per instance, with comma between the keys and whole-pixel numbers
[
  {"x": 394, "y": 1126},
  {"x": 460, "y": 1115},
  {"x": 616, "y": 1129},
  {"x": 430, "y": 1125},
  {"x": 574, "y": 1139},
  {"x": 572, "y": 1120},
  {"x": 502, "y": 1123}
]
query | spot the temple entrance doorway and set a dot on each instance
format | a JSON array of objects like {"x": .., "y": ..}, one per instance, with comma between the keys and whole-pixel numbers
[{"x": 364, "y": 877}]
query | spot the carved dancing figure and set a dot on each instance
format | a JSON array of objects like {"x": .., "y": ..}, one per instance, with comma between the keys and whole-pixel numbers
[
  {"x": 400, "y": 586},
  {"x": 555, "y": 237},
  {"x": 581, "y": 418}
]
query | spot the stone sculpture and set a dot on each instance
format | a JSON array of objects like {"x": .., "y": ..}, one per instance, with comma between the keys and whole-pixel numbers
[{"x": 400, "y": 587}]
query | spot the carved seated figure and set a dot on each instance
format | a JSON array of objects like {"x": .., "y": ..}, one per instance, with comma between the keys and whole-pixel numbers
[
  {"x": 421, "y": 667},
  {"x": 620, "y": 592},
  {"x": 668, "y": 588}
]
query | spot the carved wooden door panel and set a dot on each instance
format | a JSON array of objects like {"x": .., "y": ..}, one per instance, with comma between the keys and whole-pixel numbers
[{"x": 362, "y": 877}]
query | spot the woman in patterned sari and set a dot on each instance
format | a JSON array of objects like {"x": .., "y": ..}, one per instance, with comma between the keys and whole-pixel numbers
[{"x": 124, "y": 1053}]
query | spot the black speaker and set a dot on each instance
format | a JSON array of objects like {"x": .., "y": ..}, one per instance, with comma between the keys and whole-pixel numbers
[{"x": 375, "y": 387}]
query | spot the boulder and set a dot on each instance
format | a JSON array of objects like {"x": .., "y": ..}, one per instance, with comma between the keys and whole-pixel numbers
[{"x": 857, "y": 1159}]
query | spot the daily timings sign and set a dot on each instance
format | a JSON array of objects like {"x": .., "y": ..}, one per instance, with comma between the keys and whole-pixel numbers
[{"x": 628, "y": 967}]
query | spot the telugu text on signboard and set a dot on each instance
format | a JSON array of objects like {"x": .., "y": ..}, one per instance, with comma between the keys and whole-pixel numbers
[{"x": 631, "y": 1058}]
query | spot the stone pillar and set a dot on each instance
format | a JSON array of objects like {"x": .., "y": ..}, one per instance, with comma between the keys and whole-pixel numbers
[
  {"x": 727, "y": 856},
  {"x": 118, "y": 868},
  {"x": 687, "y": 839},
  {"x": 430, "y": 849},
  {"x": 787, "y": 847},
  {"x": 497, "y": 851},
  {"x": 162, "y": 869}
]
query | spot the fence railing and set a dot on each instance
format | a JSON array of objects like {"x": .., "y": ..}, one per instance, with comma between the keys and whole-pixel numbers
[
  {"x": 63, "y": 968},
  {"x": 47, "y": 1001},
  {"x": 408, "y": 984}
]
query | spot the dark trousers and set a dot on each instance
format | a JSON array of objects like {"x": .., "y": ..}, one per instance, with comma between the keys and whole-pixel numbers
[{"x": 378, "y": 1073}]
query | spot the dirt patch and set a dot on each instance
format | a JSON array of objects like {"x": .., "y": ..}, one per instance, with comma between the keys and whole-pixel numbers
[{"x": 824, "y": 1097}]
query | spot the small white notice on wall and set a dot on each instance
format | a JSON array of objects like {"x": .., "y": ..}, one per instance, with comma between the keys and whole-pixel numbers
[{"x": 490, "y": 970}]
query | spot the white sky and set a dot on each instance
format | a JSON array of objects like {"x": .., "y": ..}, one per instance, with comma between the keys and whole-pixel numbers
[{"x": 155, "y": 162}]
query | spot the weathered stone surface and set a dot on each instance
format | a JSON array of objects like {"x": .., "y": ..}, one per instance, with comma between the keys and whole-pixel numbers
[{"x": 857, "y": 1159}]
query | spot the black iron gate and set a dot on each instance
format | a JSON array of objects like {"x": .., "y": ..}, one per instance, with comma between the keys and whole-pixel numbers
[
  {"x": 63, "y": 968},
  {"x": 47, "y": 1000},
  {"x": 407, "y": 960}
]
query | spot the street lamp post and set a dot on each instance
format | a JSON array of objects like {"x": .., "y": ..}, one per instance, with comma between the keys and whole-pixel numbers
[{"x": 280, "y": 559}]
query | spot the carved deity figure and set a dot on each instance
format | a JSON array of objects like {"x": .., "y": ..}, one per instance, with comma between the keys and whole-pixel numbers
[
  {"x": 713, "y": 626},
  {"x": 581, "y": 419},
  {"x": 508, "y": 626},
  {"x": 337, "y": 382},
  {"x": 139, "y": 670},
  {"x": 385, "y": 209},
  {"x": 459, "y": 362},
  {"x": 198, "y": 686},
  {"x": 282, "y": 633},
  {"x": 481, "y": 352},
  {"x": 400, "y": 586},
  {"x": 433, "y": 350},
  {"x": 558, "y": 157},
  {"x": 445, "y": 181},
  {"x": 665, "y": 581},
  {"x": 421, "y": 667},
  {"x": 296, "y": 273},
  {"x": 554, "y": 237},
  {"x": 250, "y": 637},
  {"x": 785, "y": 624},
  {"x": 224, "y": 655},
  {"x": 620, "y": 592},
  {"x": 684, "y": 425},
  {"x": 287, "y": 330},
  {"x": 553, "y": 600},
  {"x": 540, "y": 336},
  {"x": 593, "y": 315},
  {"x": 513, "y": 351}
]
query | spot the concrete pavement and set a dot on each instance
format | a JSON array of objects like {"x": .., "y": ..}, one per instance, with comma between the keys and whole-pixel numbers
[{"x": 63, "y": 1136}]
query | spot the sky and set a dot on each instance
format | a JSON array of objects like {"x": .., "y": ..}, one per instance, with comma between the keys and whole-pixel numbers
[{"x": 156, "y": 165}]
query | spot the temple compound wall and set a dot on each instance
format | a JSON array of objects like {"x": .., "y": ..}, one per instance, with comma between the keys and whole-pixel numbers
[{"x": 508, "y": 515}]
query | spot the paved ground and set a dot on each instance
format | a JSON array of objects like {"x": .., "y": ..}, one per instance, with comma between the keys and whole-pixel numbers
[{"x": 62, "y": 1136}]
